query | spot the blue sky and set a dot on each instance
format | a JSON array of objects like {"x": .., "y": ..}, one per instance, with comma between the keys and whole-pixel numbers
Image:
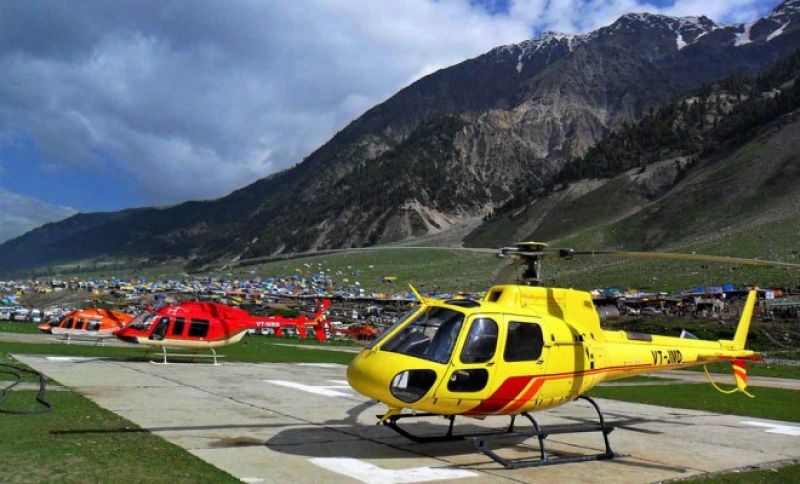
[{"x": 108, "y": 105}]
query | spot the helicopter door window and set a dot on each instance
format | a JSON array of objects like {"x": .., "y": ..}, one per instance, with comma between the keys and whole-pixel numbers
[
  {"x": 93, "y": 326},
  {"x": 524, "y": 342},
  {"x": 481, "y": 341},
  {"x": 68, "y": 323},
  {"x": 469, "y": 380},
  {"x": 198, "y": 328},
  {"x": 80, "y": 324},
  {"x": 430, "y": 335},
  {"x": 177, "y": 328},
  {"x": 161, "y": 329}
]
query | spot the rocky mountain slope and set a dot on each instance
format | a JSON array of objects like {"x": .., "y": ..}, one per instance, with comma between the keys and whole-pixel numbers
[
  {"x": 711, "y": 163},
  {"x": 452, "y": 145}
]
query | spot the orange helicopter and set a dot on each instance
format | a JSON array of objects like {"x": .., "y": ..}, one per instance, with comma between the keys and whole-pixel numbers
[{"x": 95, "y": 323}]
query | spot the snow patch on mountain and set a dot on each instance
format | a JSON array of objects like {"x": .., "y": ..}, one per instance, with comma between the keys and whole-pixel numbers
[
  {"x": 743, "y": 38},
  {"x": 777, "y": 32},
  {"x": 679, "y": 41},
  {"x": 547, "y": 41}
]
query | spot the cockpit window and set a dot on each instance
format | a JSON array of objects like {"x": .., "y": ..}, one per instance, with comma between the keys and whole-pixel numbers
[
  {"x": 403, "y": 319},
  {"x": 142, "y": 322},
  {"x": 430, "y": 335}
]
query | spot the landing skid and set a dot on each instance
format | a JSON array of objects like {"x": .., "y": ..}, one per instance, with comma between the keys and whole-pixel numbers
[
  {"x": 481, "y": 440},
  {"x": 391, "y": 422},
  {"x": 165, "y": 362}
]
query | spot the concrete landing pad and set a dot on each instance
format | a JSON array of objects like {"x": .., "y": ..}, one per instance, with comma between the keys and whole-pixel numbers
[{"x": 302, "y": 423}]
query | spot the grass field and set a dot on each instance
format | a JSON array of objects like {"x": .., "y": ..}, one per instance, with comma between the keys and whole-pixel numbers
[
  {"x": 602, "y": 271},
  {"x": 787, "y": 474},
  {"x": 81, "y": 442},
  {"x": 120, "y": 270},
  {"x": 770, "y": 403},
  {"x": 756, "y": 369},
  {"x": 9, "y": 327}
]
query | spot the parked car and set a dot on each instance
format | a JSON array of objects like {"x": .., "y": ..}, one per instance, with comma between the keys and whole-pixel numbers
[
  {"x": 35, "y": 316},
  {"x": 648, "y": 311},
  {"x": 20, "y": 314}
]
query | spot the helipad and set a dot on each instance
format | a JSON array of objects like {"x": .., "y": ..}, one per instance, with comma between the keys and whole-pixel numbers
[{"x": 302, "y": 423}]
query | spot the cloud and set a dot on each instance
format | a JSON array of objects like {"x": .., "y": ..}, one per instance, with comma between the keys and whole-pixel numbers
[
  {"x": 19, "y": 214},
  {"x": 190, "y": 100}
]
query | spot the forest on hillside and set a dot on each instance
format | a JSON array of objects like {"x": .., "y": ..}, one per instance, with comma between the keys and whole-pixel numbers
[{"x": 694, "y": 125}]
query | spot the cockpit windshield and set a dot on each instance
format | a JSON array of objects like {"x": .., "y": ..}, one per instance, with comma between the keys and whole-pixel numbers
[
  {"x": 142, "y": 321},
  {"x": 401, "y": 320},
  {"x": 430, "y": 335}
]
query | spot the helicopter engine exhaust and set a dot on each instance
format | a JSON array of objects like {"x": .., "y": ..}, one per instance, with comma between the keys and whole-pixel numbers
[{"x": 608, "y": 314}]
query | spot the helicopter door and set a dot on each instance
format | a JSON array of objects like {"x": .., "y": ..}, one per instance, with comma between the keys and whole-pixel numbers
[
  {"x": 524, "y": 358},
  {"x": 469, "y": 378}
]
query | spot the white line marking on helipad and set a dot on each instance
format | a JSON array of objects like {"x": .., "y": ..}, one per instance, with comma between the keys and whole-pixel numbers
[
  {"x": 69, "y": 358},
  {"x": 251, "y": 480},
  {"x": 775, "y": 428},
  {"x": 370, "y": 473},
  {"x": 326, "y": 390},
  {"x": 321, "y": 365},
  {"x": 339, "y": 382}
]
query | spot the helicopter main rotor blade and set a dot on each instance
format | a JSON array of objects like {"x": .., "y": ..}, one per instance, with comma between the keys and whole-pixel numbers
[
  {"x": 678, "y": 256},
  {"x": 518, "y": 255},
  {"x": 323, "y": 252}
]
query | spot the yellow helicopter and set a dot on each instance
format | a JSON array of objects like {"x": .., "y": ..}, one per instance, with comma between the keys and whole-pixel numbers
[{"x": 524, "y": 348}]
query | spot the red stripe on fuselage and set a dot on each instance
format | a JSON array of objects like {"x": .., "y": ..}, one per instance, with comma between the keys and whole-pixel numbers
[
  {"x": 503, "y": 395},
  {"x": 526, "y": 397},
  {"x": 493, "y": 403}
]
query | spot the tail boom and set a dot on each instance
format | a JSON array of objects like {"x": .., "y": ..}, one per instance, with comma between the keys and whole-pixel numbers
[{"x": 632, "y": 353}]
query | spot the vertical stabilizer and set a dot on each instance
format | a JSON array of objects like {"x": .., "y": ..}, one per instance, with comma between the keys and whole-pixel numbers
[{"x": 740, "y": 338}]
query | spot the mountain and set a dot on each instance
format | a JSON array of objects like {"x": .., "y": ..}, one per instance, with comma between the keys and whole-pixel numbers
[
  {"x": 709, "y": 165},
  {"x": 446, "y": 149}
]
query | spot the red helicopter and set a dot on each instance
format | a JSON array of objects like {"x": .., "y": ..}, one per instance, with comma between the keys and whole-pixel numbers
[{"x": 208, "y": 325}]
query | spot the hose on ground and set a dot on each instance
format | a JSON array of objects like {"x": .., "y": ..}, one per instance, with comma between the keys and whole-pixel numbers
[{"x": 19, "y": 373}]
